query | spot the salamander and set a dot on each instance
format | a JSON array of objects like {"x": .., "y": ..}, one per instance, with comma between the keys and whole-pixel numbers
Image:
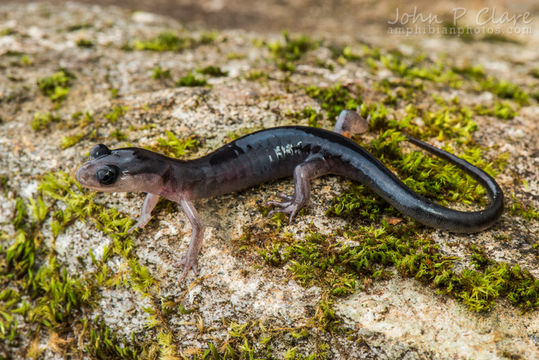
[{"x": 302, "y": 152}]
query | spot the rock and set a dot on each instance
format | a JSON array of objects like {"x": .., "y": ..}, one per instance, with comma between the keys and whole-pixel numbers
[{"x": 238, "y": 299}]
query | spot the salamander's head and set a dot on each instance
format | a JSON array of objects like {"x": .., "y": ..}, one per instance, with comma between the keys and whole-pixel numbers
[{"x": 123, "y": 170}]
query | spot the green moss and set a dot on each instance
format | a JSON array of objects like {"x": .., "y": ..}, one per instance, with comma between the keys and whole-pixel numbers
[
  {"x": 335, "y": 99},
  {"x": 233, "y": 135},
  {"x": 505, "y": 90},
  {"x": 501, "y": 110},
  {"x": 85, "y": 43},
  {"x": 167, "y": 345},
  {"x": 453, "y": 121},
  {"x": 208, "y": 37},
  {"x": 235, "y": 56},
  {"x": 165, "y": 41},
  {"x": 476, "y": 72},
  {"x": 39, "y": 292},
  {"x": 50, "y": 294},
  {"x": 43, "y": 120},
  {"x": 256, "y": 340},
  {"x": 379, "y": 116},
  {"x": 254, "y": 75},
  {"x": 448, "y": 121},
  {"x": 308, "y": 113},
  {"x": 293, "y": 48},
  {"x": 4, "y": 186},
  {"x": 159, "y": 73},
  {"x": 496, "y": 280},
  {"x": 13, "y": 53},
  {"x": 78, "y": 26},
  {"x": 7, "y": 31},
  {"x": 212, "y": 70},
  {"x": 344, "y": 54},
  {"x": 26, "y": 60},
  {"x": 324, "y": 64},
  {"x": 118, "y": 135},
  {"x": 69, "y": 141},
  {"x": 116, "y": 113},
  {"x": 78, "y": 205},
  {"x": 290, "y": 50},
  {"x": 82, "y": 119},
  {"x": 359, "y": 202},
  {"x": 113, "y": 92},
  {"x": 436, "y": 73},
  {"x": 527, "y": 212},
  {"x": 174, "y": 147},
  {"x": 191, "y": 80},
  {"x": 384, "y": 87},
  {"x": 56, "y": 86},
  {"x": 323, "y": 261},
  {"x": 104, "y": 344},
  {"x": 170, "y": 41}
]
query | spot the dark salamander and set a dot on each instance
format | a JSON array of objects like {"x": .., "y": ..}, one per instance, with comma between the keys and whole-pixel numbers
[{"x": 302, "y": 152}]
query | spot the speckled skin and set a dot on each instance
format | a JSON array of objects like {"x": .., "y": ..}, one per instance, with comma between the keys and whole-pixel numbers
[{"x": 270, "y": 154}]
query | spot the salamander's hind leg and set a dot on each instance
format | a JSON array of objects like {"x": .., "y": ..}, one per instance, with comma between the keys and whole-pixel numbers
[
  {"x": 313, "y": 167},
  {"x": 350, "y": 123},
  {"x": 190, "y": 259}
]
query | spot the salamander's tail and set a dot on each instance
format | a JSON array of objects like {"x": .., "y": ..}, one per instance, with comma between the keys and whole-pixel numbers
[{"x": 490, "y": 214}]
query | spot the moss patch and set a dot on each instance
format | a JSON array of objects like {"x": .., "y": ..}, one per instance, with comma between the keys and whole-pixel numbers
[
  {"x": 340, "y": 269},
  {"x": 173, "y": 147},
  {"x": 43, "y": 120},
  {"x": 191, "y": 80},
  {"x": 170, "y": 41},
  {"x": 290, "y": 50},
  {"x": 335, "y": 99},
  {"x": 56, "y": 86}
]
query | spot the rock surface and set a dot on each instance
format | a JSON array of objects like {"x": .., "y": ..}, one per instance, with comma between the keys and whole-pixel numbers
[{"x": 238, "y": 296}]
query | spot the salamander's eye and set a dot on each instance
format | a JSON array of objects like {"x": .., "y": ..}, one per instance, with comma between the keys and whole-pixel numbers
[
  {"x": 107, "y": 174},
  {"x": 99, "y": 151}
]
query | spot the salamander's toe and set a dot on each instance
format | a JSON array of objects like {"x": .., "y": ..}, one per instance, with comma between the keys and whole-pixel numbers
[
  {"x": 285, "y": 197},
  {"x": 282, "y": 204},
  {"x": 188, "y": 263},
  {"x": 287, "y": 208},
  {"x": 288, "y": 199}
]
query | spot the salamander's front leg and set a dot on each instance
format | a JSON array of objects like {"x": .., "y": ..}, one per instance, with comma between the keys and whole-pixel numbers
[
  {"x": 190, "y": 260},
  {"x": 313, "y": 167},
  {"x": 146, "y": 214}
]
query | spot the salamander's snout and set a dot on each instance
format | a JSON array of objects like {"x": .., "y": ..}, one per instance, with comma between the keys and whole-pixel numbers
[
  {"x": 121, "y": 170},
  {"x": 98, "y": 173},
  {"x": 82, "y": 174}
]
